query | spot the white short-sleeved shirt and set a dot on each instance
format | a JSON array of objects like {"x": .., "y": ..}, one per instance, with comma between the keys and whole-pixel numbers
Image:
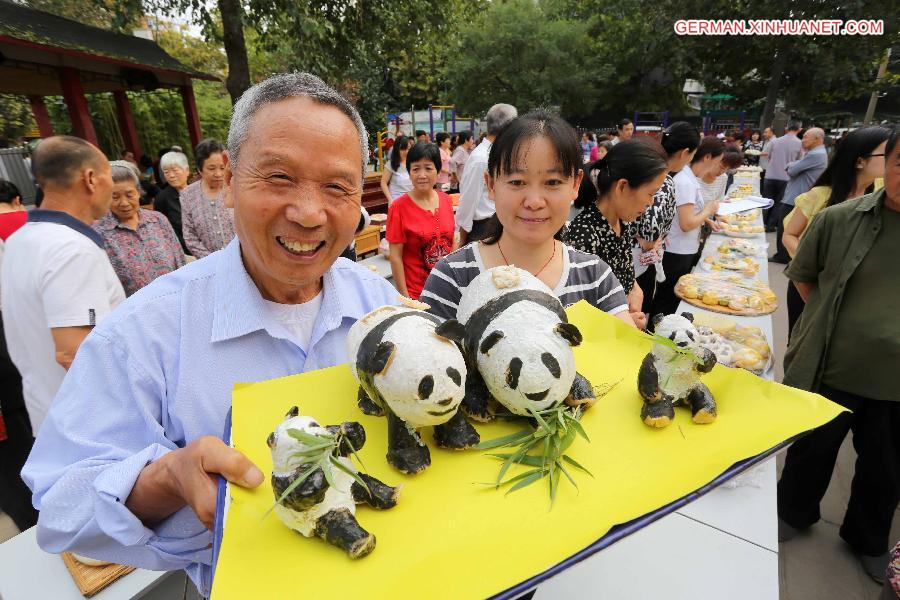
[
  {"x": 400, "y": 182},
  {"x": 55, "y": 274},
  {"x": 687, "y": 191}
]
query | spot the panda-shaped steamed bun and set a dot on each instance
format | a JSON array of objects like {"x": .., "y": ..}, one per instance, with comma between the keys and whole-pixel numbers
[
  {"x": 668, "y": 377},
  {"x": 410, "y": 370},
  {"x": 518, "y": 345},
  {"x": 315, "y": 507}
]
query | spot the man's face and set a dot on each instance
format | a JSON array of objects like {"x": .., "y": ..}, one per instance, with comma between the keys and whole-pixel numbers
[
  {"x": 626, "y": 132},
  {"x": 100, "y": 177},
  {"x": 422, "y": 138},
  {"x": 892, "y": 175},
  {"x": 296, "y": 192},
  {"x": 768, "y": 133},
  {"x": 810, "y": 140}
]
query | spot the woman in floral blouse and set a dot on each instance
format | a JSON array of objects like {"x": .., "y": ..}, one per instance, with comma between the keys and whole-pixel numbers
[
  {"x": 141, "y": 244},
  {"x": 207, "y": 224}
]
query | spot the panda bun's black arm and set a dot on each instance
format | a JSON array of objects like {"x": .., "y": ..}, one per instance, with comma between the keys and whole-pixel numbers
[
  {"x": 375, "y": 493},
  {"x": 648, "y": 379},
  {"x": 456, "y": 434},
  {"x": 304, "y": 496},
  {"x": 406, "y": 451},
  {"x": 367, "y": 405},
  {"x": 709, "y": 360},
  {"x": 340, "y": 528},
  {"x": 581, "y": 393},
  {"x": 476, "y": 401}
]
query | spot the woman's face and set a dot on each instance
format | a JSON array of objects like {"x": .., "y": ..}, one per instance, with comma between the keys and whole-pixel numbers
[
  {"x": 213, "y": 171},
  {"x": 754, "y": 137},
  {"x": 403, "y": 153},
  {"x": 126, "y": 200},
  {"x": 176, "y": 176},
  {"x": 711, "y": 166},
  {"x": 872, "y": 167},
  {"x": 629, "y": 203},
  {"x": 423, "y": 175},
  {"x": 446, "y": 144},
  {"x": 533, "y": 201},
  {"x": 601, "y": 152}
]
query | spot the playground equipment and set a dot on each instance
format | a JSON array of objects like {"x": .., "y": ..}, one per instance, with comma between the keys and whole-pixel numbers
[{"x": 439, "y": 117}]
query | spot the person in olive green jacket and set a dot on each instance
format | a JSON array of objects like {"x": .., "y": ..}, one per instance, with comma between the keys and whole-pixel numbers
[{"x": 846, "y": 347}]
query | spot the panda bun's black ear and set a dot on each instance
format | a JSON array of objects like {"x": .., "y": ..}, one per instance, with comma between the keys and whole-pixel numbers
[
  {"x": 688, "y": 316},
  {"x": 293, "y": 412},
  {"x": 570, "y": 333},
  {"x": 452, "y": 330},
  {"x": 657, "y": 318},
  {"x": 381, "y": 358}
]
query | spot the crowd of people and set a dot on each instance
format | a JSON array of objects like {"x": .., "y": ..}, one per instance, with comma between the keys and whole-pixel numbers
[{"x": 612, "y": 221}]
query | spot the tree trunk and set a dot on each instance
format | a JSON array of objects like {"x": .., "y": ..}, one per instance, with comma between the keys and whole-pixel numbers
[
  {"x": 774, "y": 87},
  {"x": 235, "y": 48}
]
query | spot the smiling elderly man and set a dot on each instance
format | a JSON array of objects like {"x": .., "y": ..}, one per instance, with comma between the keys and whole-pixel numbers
[{"x": 121, "y": 469}]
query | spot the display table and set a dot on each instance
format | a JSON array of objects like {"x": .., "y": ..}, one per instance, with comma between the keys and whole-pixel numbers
[{"x": 725, "y": 544}]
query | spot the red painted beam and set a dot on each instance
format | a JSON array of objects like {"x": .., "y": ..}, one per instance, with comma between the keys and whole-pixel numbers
[
  {"x": 73, "y": 93},
  {"x": 41, "y": 116},
  {"x": 190, "y": 113},
  {"x": 126, "y": 123}
]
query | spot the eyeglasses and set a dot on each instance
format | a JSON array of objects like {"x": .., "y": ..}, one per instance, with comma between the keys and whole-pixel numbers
[{"x": 871, "y": 155}]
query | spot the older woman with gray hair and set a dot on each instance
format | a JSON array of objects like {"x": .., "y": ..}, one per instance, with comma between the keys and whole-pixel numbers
[
  {"x": 141, "y": 244},
  {"x": 174, "y": 165}
]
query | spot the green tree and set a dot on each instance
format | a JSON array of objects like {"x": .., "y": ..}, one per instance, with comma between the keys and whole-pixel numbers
[
  {"x": 15, "y": 119},
  {"x": 519, "y": 52}
]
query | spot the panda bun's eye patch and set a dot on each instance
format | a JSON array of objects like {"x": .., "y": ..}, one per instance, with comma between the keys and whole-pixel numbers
[
  {"x": 672, "y": 336},
  {"x": 512, "y": 373},
  {"x": 552, "y": 364},
  {"x": 454, "y": 375},
  {"x": 690, "y": 335},
  {"x": 426, "y": 386}
]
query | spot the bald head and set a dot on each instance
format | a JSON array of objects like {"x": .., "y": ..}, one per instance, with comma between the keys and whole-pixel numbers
[
  {"x": 814, "y": 136},
  {"x": 59, "y": 161}
]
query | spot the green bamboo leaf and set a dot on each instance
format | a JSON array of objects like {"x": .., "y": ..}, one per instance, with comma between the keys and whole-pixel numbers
[
  {"x": 325, "y": 465},
  {"x": 519, "y": 477},
  {"x": 308, "y": 438},
  {"x": 576, "y": 464},
  {"x": 541, "y": 422},
  {"x": 505, "y": 440},
  {"x": 289, "y": 489},
  {"x": 355, "y": 455},
  {"x": 526, "y": 481},
  {"x": 554, "y": 481},
  {"x": 340, "y": 465},
  {"x": 577, "y": 426},
  {"x": 531, "y": 461},
  {"x": 566, "y": 473},
  {"x": 664, "y": 341}
]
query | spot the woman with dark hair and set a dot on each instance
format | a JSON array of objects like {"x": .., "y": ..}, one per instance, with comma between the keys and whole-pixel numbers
[
  {"x": 683, "y": 242},
  {"x": 600, "y": 150},
  {"x": 442, "y": 140},
  {"x": 420, "y": 223},
  {"x": 395, "y": 179},
  {"x": 855, "y": 165},
  {"x": 680, "y": 141},
  {"x": 534, "y": 170},
  {"x": 465, "y": 145},
  {"x": 207, "y": 224},
  {"x": 753, "y": 148},
  {"x": 614, "y": 194}
]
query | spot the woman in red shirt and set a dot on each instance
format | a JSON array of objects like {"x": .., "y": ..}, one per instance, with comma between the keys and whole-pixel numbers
[
  {"x": 12, "y": 213},
  {"x": 420, "y": 223}
]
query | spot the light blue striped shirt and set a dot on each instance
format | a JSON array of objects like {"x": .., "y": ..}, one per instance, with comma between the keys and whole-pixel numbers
[{"x": 156, "y": 374}]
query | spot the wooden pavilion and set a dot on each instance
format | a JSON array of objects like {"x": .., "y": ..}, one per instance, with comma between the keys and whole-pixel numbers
[{"x": 45, "y": 55}]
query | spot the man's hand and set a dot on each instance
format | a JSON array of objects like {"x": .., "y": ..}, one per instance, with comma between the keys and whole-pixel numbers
[{"x": 187, "y": 477}]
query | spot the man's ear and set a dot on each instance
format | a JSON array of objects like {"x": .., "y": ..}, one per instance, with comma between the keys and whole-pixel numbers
[
  {"x": 89, "y": 178},
  {"x": 228, "y": 198}
]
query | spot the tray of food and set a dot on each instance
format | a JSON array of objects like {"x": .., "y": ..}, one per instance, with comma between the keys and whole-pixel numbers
[
  {"x": 727, "y": 293},
  {"x": 748, "y": 216},
  {"x": 723, "y": 262},
  {"x": 741, "y": 191},
  {"x": 741, "y": 230},
  {"x": 738, "y": 247},
  {"x": 378, "y": 218},
  {"x": 741, "y": 346}
]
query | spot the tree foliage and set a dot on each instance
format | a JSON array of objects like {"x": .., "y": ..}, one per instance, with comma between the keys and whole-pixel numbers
[{"x": 518, "y": 51}]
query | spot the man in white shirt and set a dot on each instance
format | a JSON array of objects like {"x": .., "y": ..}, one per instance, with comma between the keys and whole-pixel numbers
[
  {"x": 57, "y": 281},
  {"x": 475, "y": 208},
  {"x": 625, "y": 129}
]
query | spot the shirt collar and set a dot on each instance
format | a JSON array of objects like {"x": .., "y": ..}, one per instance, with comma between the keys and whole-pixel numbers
[
  {"x": 110, "y": 222},
  {"x": 871, "y": 201},
  {"x": 42, "y": 215},
  {"x": 239, "y": 308}
]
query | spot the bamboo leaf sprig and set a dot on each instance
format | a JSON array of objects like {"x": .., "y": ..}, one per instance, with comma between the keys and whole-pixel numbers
[
  {"x": 664, "y": 341},
  {"x": 320, "y": 451},
  {"x": 550, "y": 432}
]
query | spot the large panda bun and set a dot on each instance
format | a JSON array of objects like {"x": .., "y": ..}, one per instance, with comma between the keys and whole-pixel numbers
[{"x": 496, "y": 282}]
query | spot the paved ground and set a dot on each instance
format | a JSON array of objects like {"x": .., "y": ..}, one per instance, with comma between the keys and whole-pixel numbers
[{"x": 815, "y": 565}]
